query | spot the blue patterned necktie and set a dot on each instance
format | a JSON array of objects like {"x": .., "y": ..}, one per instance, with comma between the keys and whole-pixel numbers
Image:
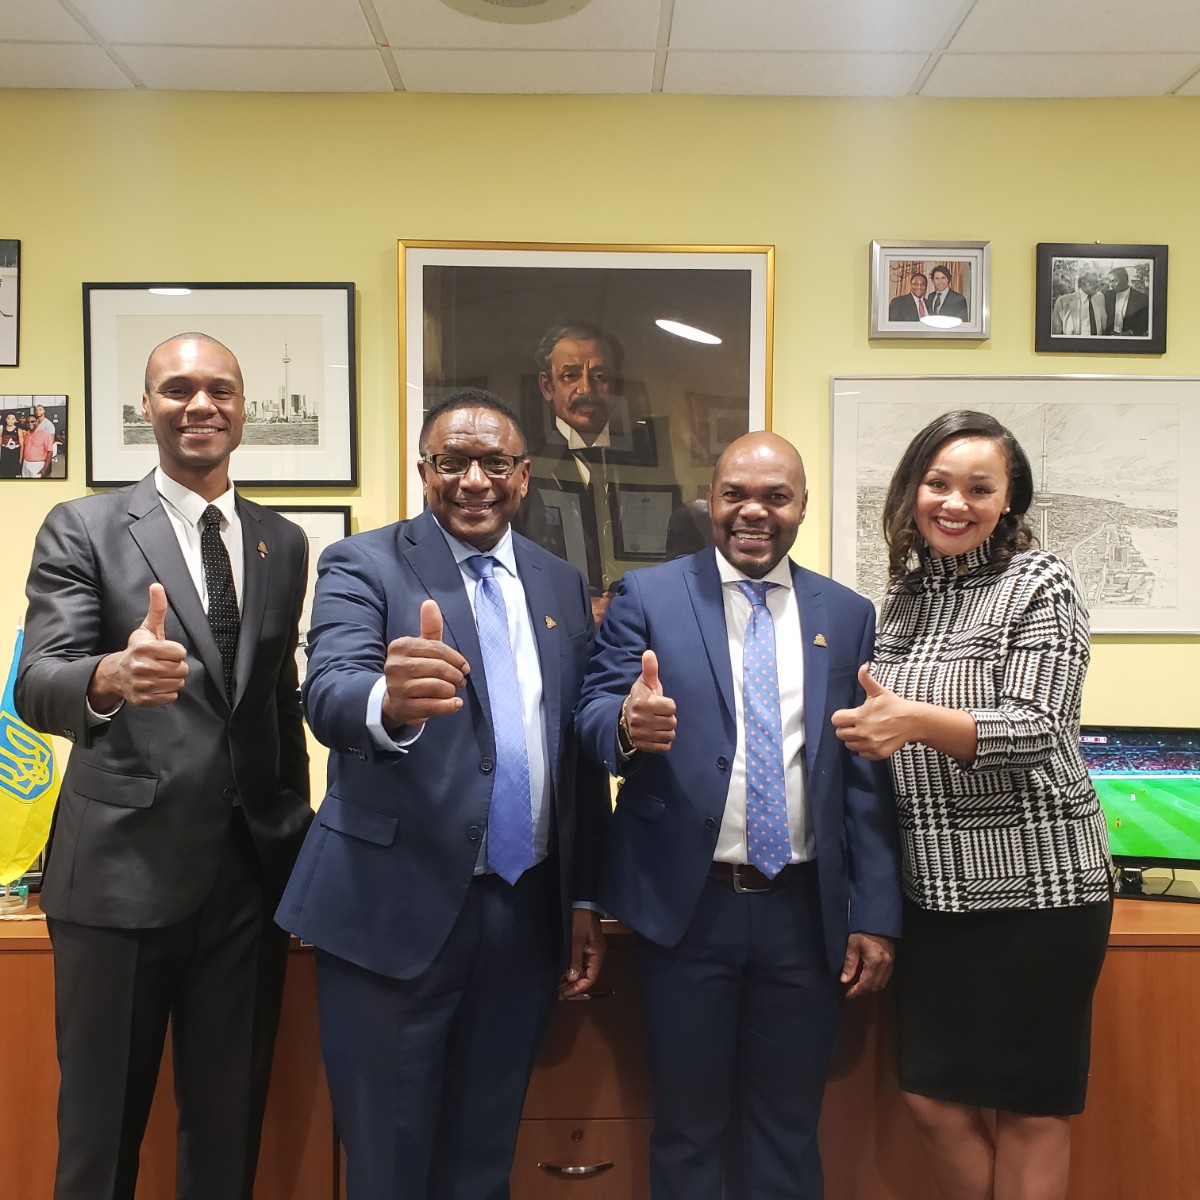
[
  {"x": 768, "y": 843},
  {"x": 510, "y": 820}
]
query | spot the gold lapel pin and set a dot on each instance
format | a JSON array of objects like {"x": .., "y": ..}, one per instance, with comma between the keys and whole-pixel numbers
[
  {"x": 262, "y": 549},
  {"x": 819, "y": 640},
  {"x": 550, "y": 622}
]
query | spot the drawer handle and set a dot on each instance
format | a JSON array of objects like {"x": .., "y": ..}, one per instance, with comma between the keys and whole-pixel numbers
[
  {"x": 590, "y": 1171},
  {"x": 594, "y": 994}
]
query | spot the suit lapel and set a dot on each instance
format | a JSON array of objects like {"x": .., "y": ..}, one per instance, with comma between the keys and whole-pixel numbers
[
  {"x": 254, "y": 595},
  {"x": 431, "y": 561},
  {"x": 814, "y": 631},
  {"x": 703, "y": 582},
  {"x": 151, "y": 528}
]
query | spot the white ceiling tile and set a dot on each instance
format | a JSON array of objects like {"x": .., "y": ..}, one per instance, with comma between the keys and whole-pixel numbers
[
  {"x": 825, "y": 25},
  {"x": 204, "y": 69},
  {"x": 229, "y": 22},
  {"x": 1192, "y": 86},
  {"x": 702, "y": 72},
  {"x": 1076, "y": 26},
  {"x": 28, "y": 65},
  {"x": 600, "y": 25},
  {"x": 1046, "y": 75},
  {"x": 39, "y": 21},
  {"x": 519, "y": 71}
]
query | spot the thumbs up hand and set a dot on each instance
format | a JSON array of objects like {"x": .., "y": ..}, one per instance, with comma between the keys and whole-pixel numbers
[
  {"x": 649, "y": 714},
  {"x": 423, "y": 674},
  {"x": 150, "y": 670},
  {"x": 879, "y": 726}
]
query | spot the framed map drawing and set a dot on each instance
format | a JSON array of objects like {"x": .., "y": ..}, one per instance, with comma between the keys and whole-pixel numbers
[{"x": 1117, "y": 495}]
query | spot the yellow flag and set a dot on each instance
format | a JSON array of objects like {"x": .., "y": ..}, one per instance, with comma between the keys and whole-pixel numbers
[{"x": 28, "y": 784}]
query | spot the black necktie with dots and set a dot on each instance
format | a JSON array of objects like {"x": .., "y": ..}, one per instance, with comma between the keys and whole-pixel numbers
[{"x": 223, "y": 616}]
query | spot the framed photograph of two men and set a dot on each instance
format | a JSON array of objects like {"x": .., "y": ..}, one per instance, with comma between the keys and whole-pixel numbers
[
  {"x": 1094, "y": 298},
  {"x": 931, "y": 290},
  {"x": 631, "y": 368}
]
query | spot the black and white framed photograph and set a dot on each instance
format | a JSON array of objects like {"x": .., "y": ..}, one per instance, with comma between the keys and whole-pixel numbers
[
  {"x": 295, "y": 344},
  {"x": 323, "y": 524},
  {"x": 1094, "y": 298},
  {"x": 1116, "y": 495},
  {"x": 33, "y": 437},
  {"x": 604, "y": 352},
  {"x": 931, "y": 290},
  {"x": 10, "y": 302}
]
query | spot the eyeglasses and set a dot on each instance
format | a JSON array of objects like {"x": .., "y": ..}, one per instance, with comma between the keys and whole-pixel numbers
[{"x": 495, "y": 466}]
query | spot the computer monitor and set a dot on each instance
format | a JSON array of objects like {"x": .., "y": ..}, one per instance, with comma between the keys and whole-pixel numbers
[{"x": 1148, "y": 781}]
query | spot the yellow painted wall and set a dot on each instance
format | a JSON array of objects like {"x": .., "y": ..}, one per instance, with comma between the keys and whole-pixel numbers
[{"x": 194, "y": 186}]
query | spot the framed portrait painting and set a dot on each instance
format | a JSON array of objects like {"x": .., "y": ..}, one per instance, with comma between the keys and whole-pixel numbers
[
  {"x": 1094, "y": 298},
  {"x": 630, "y": 368},
  {"x": 33, "y": 437},
  {"x": 10, "y": 302},
  {"x": 295, "y": 345},
  {"x": 931, "y": 290},
  {"x": 323, "y": 525},
  {"x": 1116, "y": 496}
]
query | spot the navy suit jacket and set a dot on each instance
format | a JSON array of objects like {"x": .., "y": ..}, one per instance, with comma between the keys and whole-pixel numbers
[
  {"x": 670, "y": 806},
  {"x": 385, "y": 869}
]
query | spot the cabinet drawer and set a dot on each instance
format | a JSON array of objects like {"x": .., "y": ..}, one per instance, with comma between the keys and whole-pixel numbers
[
  {"x": 590, "y": 1160},
  {"x": 593, "y": 1061}
]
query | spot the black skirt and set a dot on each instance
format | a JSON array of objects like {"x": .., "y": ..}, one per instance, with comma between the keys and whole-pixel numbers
[{"x": 995, "y": 1007}]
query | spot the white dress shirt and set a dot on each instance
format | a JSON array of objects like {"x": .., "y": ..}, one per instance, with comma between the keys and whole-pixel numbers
[
  {"x": 575, "y": 442},
  {"x": 789, "y": 657},
  {"x": 529, "y": 683}
]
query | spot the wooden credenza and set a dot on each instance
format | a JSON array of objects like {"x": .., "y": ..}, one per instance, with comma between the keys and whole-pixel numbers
[{"x": 587, "y": 1117}]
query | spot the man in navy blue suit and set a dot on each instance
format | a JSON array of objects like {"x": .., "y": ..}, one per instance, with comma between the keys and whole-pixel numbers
[
  {"x": 754, "y": 857},
  {"x": 442, "y": 921}
]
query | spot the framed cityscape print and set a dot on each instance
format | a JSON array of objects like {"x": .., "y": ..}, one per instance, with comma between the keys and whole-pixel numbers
[
  {"x": 931, "y": 290},
  {"x": 323, "y": 525},
  {"x": 1094, "y": 298},
  {"x": 630, "y": 368},
  {"x": 295, "y": 345},
  {"x": 1116, "y": 495}
]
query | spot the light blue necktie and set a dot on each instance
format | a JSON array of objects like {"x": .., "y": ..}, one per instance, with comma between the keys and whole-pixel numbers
[
  {"x": 768, "y": 843},
  {"x": 510, "y": 821}
]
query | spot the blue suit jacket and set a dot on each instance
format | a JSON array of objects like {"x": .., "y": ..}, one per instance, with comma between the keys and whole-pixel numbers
[
  {"x": 386, "y": 866},
  {"x": 670, "y": 806}
]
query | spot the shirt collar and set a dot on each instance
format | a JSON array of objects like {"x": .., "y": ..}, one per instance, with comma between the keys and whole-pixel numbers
[
  {"x": 780, "y": 573},
  {"x": 575, "y": 442},
  {"x": 502, "y": 551},
  {"x": 189, "y": 504}
]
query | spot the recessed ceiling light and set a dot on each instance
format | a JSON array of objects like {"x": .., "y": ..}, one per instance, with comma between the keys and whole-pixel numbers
[
  {"x": 516, "y": 12},
  {"x": 170, "y": 291},
  {"x": 679, "y": 329},
  {"x": 937, "y": 321}
]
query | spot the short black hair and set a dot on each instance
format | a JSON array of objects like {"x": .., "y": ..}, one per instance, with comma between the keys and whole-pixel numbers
[
  {"x": 899, "y": 508},
  {"x": 470, "y": 398},
  {"x": 941, "y": 270},
  {"x": 585, "y": 331}
]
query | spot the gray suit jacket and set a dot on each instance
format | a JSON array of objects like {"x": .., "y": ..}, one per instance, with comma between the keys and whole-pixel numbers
[{"x": 146, "y": 800}]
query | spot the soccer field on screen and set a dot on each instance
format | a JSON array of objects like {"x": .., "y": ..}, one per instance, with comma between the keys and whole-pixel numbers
[{"x": 1152, "y": 816}]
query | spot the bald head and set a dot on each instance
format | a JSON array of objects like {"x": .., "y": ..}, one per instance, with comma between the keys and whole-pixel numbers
[
  {"x": 759, "y": 496},
  {"x": 199, "y": 338}
]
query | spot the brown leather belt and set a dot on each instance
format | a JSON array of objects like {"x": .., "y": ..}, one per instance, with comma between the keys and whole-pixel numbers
[{"x": 743, "y": 877}]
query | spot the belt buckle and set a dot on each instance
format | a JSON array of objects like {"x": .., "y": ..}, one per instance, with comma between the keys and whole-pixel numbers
[{"x": 739, "y": 886}]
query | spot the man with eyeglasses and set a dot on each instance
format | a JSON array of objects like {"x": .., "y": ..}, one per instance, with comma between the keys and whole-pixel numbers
[{"x": 447, "y": 878}]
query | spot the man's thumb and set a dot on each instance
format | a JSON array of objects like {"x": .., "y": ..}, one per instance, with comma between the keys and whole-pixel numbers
[
  {"x": 431, "y": 621},
  {"x": 156, "y": 614},
  {"x": 650, "y": 672}
]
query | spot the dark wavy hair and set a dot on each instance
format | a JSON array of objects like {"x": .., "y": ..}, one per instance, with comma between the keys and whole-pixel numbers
[{"x": 899, "y": 509}]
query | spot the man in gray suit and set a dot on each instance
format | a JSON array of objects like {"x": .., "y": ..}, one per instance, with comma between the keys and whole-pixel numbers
[{"x": 160, "y": 640}]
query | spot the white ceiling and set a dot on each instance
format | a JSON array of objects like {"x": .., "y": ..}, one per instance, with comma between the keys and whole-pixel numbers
[{"x": 986, "y": 48}]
